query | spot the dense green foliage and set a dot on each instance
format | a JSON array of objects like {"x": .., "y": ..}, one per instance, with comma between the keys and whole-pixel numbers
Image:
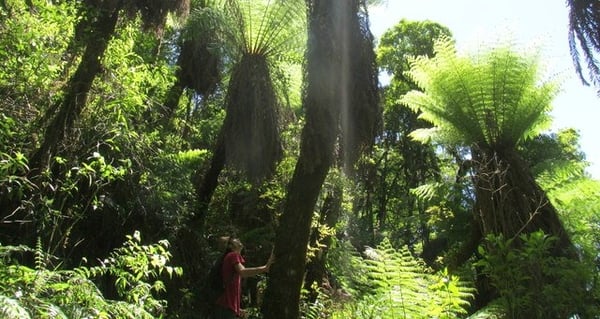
[
  {"x": 233, "y": 115},
  {"x": 519, "y": 274},
  {"x": 390, "y": 283},
  {"x": 135, "y": 270}
]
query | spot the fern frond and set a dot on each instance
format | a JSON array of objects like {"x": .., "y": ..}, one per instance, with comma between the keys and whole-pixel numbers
[
  {"x": 268, "y": 27},
  {"x": 7, "y": 251},
  {"x": 10, "y": 308},
  {"x": 427, "y": 191},
  {"x": 85, "y": 299},
  {"x": 40, "y": 263},
  {"x": 410, "y": 288},
  {"x": 492, "y": 98},
  {"x": 493, "y": 310},
  {"x": 584, "y": 37},
  {"x": 52, "y": 311},
  {"x": 209, "y": 23}
]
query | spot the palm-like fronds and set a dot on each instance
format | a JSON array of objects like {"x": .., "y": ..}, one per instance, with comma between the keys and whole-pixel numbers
[
  {"x": 584, "y": 37},
  {"x": 268, "y": 27},
  {"x": 264, "y": 31},
  {"x": 493, "y": 99},
  {"x": 490, "y": 103}
]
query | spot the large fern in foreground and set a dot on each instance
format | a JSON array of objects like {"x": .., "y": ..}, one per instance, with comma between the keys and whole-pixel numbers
[
  {"x": 40, "y": 292},
  {"x": 391, "y": 283}
]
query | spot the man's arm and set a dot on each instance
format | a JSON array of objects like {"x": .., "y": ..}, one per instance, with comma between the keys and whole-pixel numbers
[
  {"x": 253, "y": 271},
  {"x": 250, "y": 271}
]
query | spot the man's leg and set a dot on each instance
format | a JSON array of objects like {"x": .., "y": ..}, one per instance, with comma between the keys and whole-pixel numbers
[{"x": 224, "y": 313}]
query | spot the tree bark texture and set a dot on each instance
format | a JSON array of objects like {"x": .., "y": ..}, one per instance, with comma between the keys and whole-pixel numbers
[
  {"x": 511, "y": 203},
  {"x": 316, "y": 269},
  {"x": 206, "y": 184}
]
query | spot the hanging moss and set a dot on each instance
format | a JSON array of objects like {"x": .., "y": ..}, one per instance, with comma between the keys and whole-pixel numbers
[
  {"x": 361, "y": 119},
  {"x": 251, "y": 125},
  {"x": 154, "y": 12},
  {"x": 199, "y": 67}
]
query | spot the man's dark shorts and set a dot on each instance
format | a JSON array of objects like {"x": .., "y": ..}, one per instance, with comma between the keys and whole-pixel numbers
[{"x": 224, "y": 313}]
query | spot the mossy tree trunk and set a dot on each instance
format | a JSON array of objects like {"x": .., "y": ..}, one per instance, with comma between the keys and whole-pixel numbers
[
  {"x": 341, "y": 104},
  {"x": 321, "y": 103},
  {"x": 511, "y": 203},
  {"x": 78, "y": 88},
  {"x": 330, "y": 214}
]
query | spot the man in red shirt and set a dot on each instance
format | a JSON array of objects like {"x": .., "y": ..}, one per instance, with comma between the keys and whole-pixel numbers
[{"x": 232, "y": 271}]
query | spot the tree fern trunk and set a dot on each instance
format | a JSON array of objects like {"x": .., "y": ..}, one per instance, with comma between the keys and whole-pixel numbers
[
  {"x": 206, "y": 184},
  {"x": 511, "y": 203},
  {"x": 251, "y": 129},
  {"x": 78, "y": 88}
]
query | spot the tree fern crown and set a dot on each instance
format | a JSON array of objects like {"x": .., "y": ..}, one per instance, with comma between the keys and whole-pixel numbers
[{"x": 493, "y": 99}]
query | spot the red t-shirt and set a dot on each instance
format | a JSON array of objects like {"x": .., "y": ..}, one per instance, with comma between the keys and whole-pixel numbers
[{"x": 231, "y": 298}]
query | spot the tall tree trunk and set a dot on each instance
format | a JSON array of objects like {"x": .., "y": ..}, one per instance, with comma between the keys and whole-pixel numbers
[
  {"x": 330, "y": 214},
  {"x": 325, "y": 58},
  {"x": 78, "y": 88},
  {"x": 206, "y": 184},
  {"x": 169, "y": 107}
]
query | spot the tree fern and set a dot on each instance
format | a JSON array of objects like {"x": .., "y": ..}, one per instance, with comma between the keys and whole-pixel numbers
[
  {"x": 264, "y": 33},
  {"x": 268, "y": 27},
  {"x": 492, "y": 98},
  {"x": 490, "y": 103}
]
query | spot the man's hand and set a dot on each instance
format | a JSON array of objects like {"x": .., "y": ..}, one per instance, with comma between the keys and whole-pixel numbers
[{"x": 270, "y": 262}]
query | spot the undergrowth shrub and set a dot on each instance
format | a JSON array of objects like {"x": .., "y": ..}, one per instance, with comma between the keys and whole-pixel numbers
[
  {"x": 391, "y": 283},
  {"x": 532, "y": 283},
  {"x": 39, "y": 292}
]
